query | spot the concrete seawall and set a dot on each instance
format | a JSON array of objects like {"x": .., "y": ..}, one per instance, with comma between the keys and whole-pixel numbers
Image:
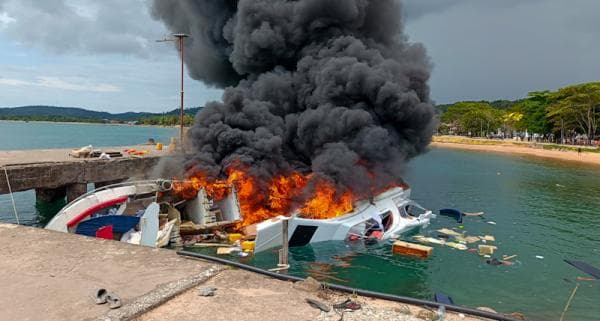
[
  {"x": 46, "y": 275},
  {"x": 54, "y": 174}
]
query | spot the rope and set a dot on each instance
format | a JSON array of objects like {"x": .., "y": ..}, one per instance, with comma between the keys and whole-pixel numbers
[
  {"x": 562, "y": 316},
  {"x": 11, "y": 195}
]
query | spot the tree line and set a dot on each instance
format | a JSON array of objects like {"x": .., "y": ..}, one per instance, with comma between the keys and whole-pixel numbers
[
  {"x": 167, "y": 120},
  {"x": 569, "y": 114}
]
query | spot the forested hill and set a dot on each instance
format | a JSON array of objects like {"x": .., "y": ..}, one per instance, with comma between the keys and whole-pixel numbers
[{"x": 53, "y": 113}]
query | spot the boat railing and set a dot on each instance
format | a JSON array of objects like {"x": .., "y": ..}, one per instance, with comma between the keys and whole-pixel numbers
[{"x": 154, "y": 182}]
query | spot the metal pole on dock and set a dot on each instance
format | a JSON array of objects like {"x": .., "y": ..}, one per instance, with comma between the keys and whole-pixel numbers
[
  {"x": 283, "y": 253},
  {"x": 179, "y": 37}
]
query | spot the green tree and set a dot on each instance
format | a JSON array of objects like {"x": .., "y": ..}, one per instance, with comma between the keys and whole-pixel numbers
[
  {"x": 534, "y": 111},
  {"x": 576, "y": 107},
  {"x": 476, "y": 118}
]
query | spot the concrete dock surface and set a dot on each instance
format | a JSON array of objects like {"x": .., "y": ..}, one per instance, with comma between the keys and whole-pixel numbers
[
  {"x": 52, "y": 276},
  {"x": 20, "y": 157},
  {"x": 54, "y": 174}
]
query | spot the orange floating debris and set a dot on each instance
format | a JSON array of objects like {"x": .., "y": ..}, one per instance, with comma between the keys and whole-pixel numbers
[{"x": 411, "y": 249}]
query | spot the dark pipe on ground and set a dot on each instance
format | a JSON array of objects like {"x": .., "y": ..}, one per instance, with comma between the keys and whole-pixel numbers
[{"x": 341, "y": 288}]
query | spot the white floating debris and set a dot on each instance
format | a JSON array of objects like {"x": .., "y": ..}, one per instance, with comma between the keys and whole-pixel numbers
[
  {"x": 539, "y": 257},
  {"x": 491, "y": 222}
]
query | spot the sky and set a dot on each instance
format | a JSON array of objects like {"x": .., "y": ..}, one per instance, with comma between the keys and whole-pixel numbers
[{"x": 102, "y": 55}]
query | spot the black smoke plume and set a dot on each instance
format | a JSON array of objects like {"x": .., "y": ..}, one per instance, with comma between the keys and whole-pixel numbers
[{"x": 333, "y": 87}]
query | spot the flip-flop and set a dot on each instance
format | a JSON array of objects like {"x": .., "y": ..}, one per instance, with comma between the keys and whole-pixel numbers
[
  {"x": 353, "y": 306},
  {"x": 318, "y": 305},
  {"x": 100, "y": 296},
  {"x": 348, "y": 305},
  {"x": 114, "y": 301},
  {"x": 341, "y": 305}
]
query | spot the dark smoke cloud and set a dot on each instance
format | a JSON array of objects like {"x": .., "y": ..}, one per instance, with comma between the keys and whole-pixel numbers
[{"x": 327, "y": 86}]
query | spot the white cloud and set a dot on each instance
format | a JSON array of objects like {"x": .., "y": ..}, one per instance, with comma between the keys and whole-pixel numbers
[
  {"x": 58, "y": 83},
  {"x": 5, "y": 20},
  {"x": 83, "y": 26}
]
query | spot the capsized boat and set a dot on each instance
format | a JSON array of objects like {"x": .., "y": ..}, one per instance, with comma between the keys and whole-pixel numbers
[
  {"x": 147, "y": 213},
  {"x": 387, "y": 215}
]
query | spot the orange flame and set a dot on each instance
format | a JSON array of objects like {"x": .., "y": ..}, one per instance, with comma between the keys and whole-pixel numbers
[
  {"x": 283, "y": 195},
  {"x": 326, "y": 203}
]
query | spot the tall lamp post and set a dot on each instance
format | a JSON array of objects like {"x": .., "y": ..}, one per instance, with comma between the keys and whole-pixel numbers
[{"x": 179, "y": 38}]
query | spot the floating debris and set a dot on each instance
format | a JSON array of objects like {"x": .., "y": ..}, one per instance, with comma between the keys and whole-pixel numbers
[
  {"x": 411, "y": 249},
  {"x": 457, "y": 246},
  {"x": 486, "y": 249},
  {"x": 489, "y": 238},
  {"x": 449, "y": 232}
]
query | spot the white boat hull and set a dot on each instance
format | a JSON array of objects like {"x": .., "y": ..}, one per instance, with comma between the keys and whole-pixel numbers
[{"x": 302, "y": 231}]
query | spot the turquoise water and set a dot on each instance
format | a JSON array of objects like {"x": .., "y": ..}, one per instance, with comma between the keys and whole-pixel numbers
[
  {"x": 541, "y": 208},
  {"x": 42, "y": 135}
]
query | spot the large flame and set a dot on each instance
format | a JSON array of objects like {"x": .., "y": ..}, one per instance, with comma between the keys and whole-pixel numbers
[{"x": 309, "y": 195}]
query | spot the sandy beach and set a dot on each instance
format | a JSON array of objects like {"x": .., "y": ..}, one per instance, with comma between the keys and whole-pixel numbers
[{"x": 523, "y": 149}]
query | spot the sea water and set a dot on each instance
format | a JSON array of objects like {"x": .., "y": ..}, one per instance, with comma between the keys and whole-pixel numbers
[{"x": 542, "y": 211}]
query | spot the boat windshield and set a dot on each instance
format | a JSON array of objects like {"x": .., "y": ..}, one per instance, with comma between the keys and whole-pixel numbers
[{"x": 411, "y": 210}]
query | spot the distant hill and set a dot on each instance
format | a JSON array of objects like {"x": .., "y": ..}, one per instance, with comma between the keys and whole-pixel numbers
[{"x": 79, "y": 114}]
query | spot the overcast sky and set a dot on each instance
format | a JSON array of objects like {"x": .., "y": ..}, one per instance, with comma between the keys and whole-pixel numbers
[{"x": 102, "y": 54}]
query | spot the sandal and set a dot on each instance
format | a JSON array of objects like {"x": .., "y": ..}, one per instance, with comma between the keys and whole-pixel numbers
[
  {"x": 341, "y": 305},
  {"x": 100, "y": 296},
  {"x": 114, "y": 301},
  {"x": 318, "y": 305},
  {"x": 348, "y": 305}
]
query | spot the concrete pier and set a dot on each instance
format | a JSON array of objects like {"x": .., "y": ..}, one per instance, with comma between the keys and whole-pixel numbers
[
  {"x": 52, "y": 276},
  {"x": 54, "y": 174}
]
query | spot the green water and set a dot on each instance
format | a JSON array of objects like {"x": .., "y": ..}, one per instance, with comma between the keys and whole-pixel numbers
[
  {"x": 544, "y": 208},
  {"x": 534, "y": 217}
]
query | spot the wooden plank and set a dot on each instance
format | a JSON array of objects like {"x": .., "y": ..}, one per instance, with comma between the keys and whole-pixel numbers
[{"x": 411, "y": 249}]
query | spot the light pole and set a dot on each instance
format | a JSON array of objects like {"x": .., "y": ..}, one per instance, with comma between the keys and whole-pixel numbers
[{"x": 179, "y": 37}]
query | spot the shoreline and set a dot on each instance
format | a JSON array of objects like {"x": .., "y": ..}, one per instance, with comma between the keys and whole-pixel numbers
[
  {"x": 514, "y": 149},
  {"x": 85, "y": 123}
]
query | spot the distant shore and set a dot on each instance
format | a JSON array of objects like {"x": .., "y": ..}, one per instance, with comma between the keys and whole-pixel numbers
[
  {"x": 85, "y": 123},
  {"x": 588, "y": 155}
]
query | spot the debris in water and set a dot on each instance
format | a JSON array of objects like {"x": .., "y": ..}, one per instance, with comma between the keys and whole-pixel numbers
[
  {"x": 486, "y": 249},
  {"x": 473, "y": 213},
  {"x": 449, "y": 232},
  {"x": 411, "y": 249},
  {"x": 488, "y": 238},
  {"x": 226, "y": 250},
  {"x": 539, "y": 257},
  {"x": 491, "y": 222},
  {"x": 457, "y": 246},
  {"x": 582, "y": 266}
]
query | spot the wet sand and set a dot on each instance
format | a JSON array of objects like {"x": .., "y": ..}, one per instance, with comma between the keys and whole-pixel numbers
[{"x": 568, "y": 156}]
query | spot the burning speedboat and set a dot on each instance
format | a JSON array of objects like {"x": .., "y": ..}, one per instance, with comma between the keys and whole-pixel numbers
[
  {"x": 387, "y": 215},
  {"x": 154, "y": 213}
]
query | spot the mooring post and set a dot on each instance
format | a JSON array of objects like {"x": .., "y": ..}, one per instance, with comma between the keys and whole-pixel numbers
[
  {"x": 75, "y": 190},
  {"x": 50, "y": 195},
  {"x": 283, "y": 254}
]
